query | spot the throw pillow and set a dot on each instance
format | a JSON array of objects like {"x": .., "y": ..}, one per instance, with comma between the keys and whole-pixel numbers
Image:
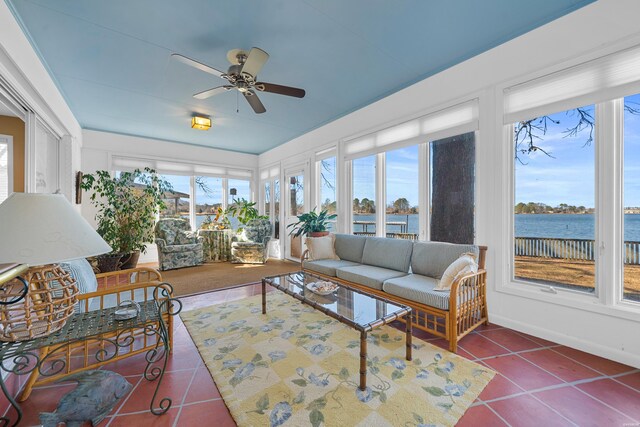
[
  {"x": 81, "y": 271},
  {"x": 321, "y": 247},
  {"x": 464, "y": 265}
]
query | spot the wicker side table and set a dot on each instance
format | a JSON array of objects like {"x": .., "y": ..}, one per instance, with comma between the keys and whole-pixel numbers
[{"x": 99, "y": 326}]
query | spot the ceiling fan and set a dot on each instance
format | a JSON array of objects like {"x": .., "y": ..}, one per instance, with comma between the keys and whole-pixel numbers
[{"x": 243, "y": 76}]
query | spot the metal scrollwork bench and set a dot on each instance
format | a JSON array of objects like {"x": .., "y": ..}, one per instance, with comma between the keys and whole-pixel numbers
[{"x": 100, "y": 339}]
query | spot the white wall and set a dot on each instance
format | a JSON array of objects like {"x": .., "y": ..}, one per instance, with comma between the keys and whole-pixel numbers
[
  {"x": 592, "y": 31},
  {"x": 99, "y": 147}
]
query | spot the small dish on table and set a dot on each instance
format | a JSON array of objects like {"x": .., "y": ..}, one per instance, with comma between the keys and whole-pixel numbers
[{"x": 322, "y": 288}]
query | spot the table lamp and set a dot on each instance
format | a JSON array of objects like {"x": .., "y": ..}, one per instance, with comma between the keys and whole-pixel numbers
[{"x": 42, "y": 230}]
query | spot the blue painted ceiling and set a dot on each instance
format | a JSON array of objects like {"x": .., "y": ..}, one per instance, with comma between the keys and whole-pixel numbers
[{"x": 111, "y": 59}]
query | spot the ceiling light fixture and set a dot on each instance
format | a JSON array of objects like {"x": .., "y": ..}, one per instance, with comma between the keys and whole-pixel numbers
[{"x": 201, "y": 122}]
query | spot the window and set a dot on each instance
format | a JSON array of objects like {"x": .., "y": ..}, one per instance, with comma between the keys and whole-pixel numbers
[
  {"x": 276, "y": 208},
  {"x": 296, "y": 195},
  {"x": 179, "y": 204},
  {"x": 267, "y": 199},
  {"x": 452, "y": 184},
  {"x": 631, "y": 200},
  {"x": 554, "y": 214},
  {"x": 363, "y": 184},
  {"x": 402, "y": 193},
  {"x": 209, "y": 195},
  {"x": 239, "y": 189},
  {"x": 6, "y": 161},
  {"x": 327, "y": 184}
]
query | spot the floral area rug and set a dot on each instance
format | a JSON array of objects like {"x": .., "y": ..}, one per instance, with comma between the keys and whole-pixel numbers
[{"x": 295, "y": 366}]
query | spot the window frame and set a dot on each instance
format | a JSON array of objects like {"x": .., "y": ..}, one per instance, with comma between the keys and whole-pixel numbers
[{"x": 609, "y": 217}]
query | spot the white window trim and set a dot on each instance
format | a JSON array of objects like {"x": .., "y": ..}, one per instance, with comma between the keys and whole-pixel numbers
[{"x": 9, "y": 142}]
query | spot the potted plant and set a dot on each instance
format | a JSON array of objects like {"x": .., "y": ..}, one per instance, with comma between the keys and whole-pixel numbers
[
  {"x": 127, "y": 205},
  {"x": 244, "y": 211},
  {"x": 311, "y": 224}
]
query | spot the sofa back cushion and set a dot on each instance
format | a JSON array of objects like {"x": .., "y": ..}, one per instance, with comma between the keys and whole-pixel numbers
[
  {"x": 432, "y": 258},
  {"x": 349, "y": 247},
  {"x": 394, "y": 254}
]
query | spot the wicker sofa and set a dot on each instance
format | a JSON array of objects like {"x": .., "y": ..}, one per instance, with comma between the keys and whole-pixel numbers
[{"x": 407, "y": 272}]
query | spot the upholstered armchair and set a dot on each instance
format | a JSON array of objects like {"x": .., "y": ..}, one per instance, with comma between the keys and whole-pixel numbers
[
  {"x": 178, "y": 246},
  {"x": 253, "y": 248}
]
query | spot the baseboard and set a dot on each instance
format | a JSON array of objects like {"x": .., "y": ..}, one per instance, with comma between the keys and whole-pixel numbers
[{"x": 569, "y": 341}]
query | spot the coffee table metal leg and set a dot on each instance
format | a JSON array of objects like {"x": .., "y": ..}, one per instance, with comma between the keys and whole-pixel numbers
[
  {"x": 408, "y": 321},
  {"x": 264, "y": 297},
  {"x": 363, "y": 360}
]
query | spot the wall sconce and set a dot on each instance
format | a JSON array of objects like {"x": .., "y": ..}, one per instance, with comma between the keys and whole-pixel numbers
[
  {"x": 201, "y": 122},
  {"x": 233, "y": 191}
]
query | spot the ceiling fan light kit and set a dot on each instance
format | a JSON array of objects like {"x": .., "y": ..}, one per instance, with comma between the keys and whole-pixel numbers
[
  {"x": 242, "y": 75},
  {"x": 201, "y": 122}
]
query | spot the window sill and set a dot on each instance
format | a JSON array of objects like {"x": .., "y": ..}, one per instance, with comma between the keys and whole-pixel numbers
[{"x": 572, "y": 299}]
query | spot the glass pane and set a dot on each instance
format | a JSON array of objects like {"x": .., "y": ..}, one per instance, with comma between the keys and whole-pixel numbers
[
  {"x": 402, "y": 193},
  {"x": 296, "y": 195},
  {"x": 178, "y": 204},
  {"x": 208, "y": 198},
  {"x": 276, "y": 208},
  {"x": 267, "y": 198},
  {"x": 328, "y": 187},
  {"x": 555, "y": 200},
  {"x": 631, "y": 252},
  {"x": 356, "y": 307},
  {"x": 239, "y": 189},
  {"x": 364, "y": 195},
  {"x": 4, "y": 171},
  {"x": 452, "y": 184}
]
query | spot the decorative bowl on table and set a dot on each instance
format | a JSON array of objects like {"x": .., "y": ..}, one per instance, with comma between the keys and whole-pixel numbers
[{"x": 322, "y": 288}]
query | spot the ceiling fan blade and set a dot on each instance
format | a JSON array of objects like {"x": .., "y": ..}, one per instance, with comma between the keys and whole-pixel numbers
[
  {"x": 195, "y": 64},
  {"x": 210, "y": 92},
  {"x": 256, "y": 59},
  {"x": 281, "y": 90},
  {"x": 254, "y": 101}
]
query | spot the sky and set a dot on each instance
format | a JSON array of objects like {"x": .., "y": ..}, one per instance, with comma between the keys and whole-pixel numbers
[{"x": 569, "y": 176}]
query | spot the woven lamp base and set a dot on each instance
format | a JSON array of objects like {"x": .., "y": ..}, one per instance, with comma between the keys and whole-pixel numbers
[{"x": 45, "y": 309}]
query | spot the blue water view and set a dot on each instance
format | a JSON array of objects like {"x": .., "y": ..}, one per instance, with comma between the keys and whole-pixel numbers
[{"x": 569, "y": 226}]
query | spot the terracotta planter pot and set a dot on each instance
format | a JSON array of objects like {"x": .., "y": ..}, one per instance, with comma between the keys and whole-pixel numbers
[
  {"x": 130, "y": 260},
  {"x": 318, "y": 234}
]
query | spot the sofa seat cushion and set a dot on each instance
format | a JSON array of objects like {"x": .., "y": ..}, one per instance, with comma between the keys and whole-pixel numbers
[
  {"x": 394, "y": 254},
  {"x": 367, "y": 275},
  {"x": 327, "y": 266},
  {"x": 183, "y": 248},
  {"x": 418, "y": 288}
]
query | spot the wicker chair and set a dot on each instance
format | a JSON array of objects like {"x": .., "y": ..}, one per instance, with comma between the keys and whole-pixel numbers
[
  {"x": 254, "y": 249},
  {"x": 178, "y": 246}
]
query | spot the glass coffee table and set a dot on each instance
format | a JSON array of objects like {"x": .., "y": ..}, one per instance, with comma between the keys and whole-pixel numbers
[{"x": 357, "y": 309}]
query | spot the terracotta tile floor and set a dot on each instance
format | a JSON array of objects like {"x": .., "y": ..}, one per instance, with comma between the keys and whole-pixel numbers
[{"x": 538, "y": 383}]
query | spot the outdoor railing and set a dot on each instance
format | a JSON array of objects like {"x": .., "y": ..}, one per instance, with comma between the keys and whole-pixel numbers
[
  {"x": 573, "y": 249},
  {"x": 404, "y": 236}
]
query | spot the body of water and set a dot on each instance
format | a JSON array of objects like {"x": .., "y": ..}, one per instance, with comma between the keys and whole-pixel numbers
[{"x": 568, "y": 226}]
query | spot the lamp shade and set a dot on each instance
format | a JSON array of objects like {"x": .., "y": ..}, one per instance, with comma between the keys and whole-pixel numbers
[{"x": 38, "y": 229}]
